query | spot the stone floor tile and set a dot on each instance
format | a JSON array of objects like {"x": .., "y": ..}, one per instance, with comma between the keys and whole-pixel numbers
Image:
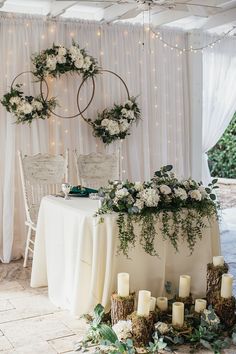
[
  {"x": 5, "y": 305},
  {"x": 37, "y": 305},
  {"x": 36, "y": 348},
  {"x": 5, "y": 344},
  {"x": 65, "y": 344},
  {"x": 9, "y": 289},
  {"x": 34, "y": 330},
  {"x": 75, "y": 324}
]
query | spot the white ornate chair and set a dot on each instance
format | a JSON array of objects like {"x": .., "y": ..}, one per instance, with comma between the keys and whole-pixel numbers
[
  {"x": 95, "y": 170},
  {"x": 41, "y": 175}
]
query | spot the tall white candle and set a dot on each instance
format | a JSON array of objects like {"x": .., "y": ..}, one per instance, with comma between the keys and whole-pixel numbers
[
  {"x": 144, "y": 298},
  {"x": 152, "y": 303},
  {"x": 123, "y": 284},
  {"x": 184, "y": 285},
  {"x": 218, "y": 261},
  {"x": 162, "y": 303},
  {"x": 200, "y": 305},
  {"x": 226, "y": 285},
  {"x": 178, "y": 314}
]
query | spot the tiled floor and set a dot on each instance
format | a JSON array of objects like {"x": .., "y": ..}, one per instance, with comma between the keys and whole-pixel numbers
[{"x": 30, "y": 324}]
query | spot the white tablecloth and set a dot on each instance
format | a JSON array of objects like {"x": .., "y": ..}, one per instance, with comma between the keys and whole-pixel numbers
[{"x": 76, "y": 256}]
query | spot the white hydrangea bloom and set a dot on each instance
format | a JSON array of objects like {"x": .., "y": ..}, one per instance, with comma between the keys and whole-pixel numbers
[
  {"x": 150, "y": 197},
  {"x": 162, "y": 327},
  {"x": 124, "y": 125},
  {"x": 123, "y": 329},
  {"x": 25, "y": 108},
  {"x": 61, "y": 51},
  {"x": 113, "y": 127},
  {"x": 37, "y": 105},
  {"x": 180, "y": 193},
  {"x": 138, "y": 186},
  {"x": 124, "y": 112},
  {"x": 51, "y": 62},
  {"x": 195, "y": 194},
  {"x": 121, "y": 193},
  {"x": 130, "y": 114},
  {"x": 164, "y": 189},
  {"x": 15, "y": 100}
]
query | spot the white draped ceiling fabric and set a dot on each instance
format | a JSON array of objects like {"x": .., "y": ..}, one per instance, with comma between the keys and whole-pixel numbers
[{"x": 219, "y": 94}]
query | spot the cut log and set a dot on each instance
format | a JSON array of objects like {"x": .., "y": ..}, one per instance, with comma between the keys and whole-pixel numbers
[
  {"x": 214, "y": 275},
  {"x": 121, "y": 307}
]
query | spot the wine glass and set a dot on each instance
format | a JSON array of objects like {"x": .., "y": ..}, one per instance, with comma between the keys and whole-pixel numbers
[{"x": 66, "y": 187}]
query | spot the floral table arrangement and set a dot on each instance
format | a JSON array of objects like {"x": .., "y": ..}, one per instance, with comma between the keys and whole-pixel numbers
[
  {"x": 183, "y": 207},
  {"x": 160, "y": 325}
]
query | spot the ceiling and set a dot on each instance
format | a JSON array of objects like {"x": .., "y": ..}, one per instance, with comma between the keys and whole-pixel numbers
[{"x": 209, "y": 15}]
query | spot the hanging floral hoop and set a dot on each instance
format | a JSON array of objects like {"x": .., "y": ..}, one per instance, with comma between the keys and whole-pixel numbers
[
  {"x": 113, "y": 123},
  {"x": 27, "y": 108}
]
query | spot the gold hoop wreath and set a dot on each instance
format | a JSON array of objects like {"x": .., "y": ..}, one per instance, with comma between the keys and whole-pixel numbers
[{"x": 111, "y": 124}]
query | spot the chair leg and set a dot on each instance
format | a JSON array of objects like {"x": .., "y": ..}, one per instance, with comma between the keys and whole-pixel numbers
[{"x": 27, "y": 246}]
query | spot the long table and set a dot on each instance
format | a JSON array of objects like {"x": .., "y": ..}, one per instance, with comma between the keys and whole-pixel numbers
[{"x": 76, "y": 257}]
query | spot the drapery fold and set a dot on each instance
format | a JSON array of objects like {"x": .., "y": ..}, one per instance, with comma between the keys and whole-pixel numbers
[
  {"x": 219, "y": 94},
  {"x": 154, "y": 73}
]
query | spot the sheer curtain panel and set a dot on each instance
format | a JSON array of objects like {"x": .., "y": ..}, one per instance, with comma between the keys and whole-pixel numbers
[{"x": 157, "y": 75}]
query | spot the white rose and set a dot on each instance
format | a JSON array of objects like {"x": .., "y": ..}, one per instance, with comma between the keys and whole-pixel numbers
[
  {"x": 105, "y": 122},
  {"x": 129, "y": 103},
  {"x": 37, "y": 105},
  {"x": 51, "y": 62},
  {"x": 203, "y": 192},
  {"x": 123, "y": 329},
  {"x": 195, "y": 194},
  {"x": 74, "y": 51},
  {"x": 165, "y": 189},
  {"x": 88, "y": 60},
  {"x": 79, "y": 63},
  {"x": 138, "y": 186},
  {"x": 61, "y": 59},
  {"x": 86, "y": 66},
  {"x": 124, "y": 125},
  {"x": 15, "y": 100},
  {"x": 124, "y": 112},
  {"x": 180, "y": 193},
  {"x": 130, "y": 114},
  {"x": 121, "y": 193},
  {"x": 61, "y": 51},
  {"x": 162, "y": 327},
  {"x": 186, "y": 184},
  {"x": 27, "y": 108},
  {"x": 139, "y": 204},
  {"x": 150, "y": 197}
]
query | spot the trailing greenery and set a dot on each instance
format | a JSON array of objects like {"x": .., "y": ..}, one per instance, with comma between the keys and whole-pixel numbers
[
  {"x": 222, "y": 157},
  {"x": 199, "y": 331},
  {"x": 182, "y": 208}
]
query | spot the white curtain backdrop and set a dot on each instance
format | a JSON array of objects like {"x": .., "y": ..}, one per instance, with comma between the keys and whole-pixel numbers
[
  {"x": 219, "y": 94},
  {"x": 156, "y": 74}
]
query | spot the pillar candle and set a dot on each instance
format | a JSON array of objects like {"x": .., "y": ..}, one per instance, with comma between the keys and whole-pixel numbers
[
  {"x": 226, "y": 285},
  {"x": 218, "y": 261},
  {"x": 123, "y": 284},
  {"x": 162, "y": 303},
  {"x": 144, "y": 298},
  {"x": 200, "y": 305},
  {"x": 184, "y": 285},
  {"x": 178, "y": 314},
  {"x": 152, "y": 303}
]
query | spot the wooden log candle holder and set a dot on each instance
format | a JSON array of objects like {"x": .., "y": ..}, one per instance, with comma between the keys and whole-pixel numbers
[
  {"x": 121, "y": 307},
  {"x": 142, "y": 328},
  {"x": 225, "y": 310},
  {"x": 214, "y": 275}
]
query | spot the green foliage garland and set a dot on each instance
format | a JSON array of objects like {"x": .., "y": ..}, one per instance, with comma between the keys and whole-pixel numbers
[{"x": 180, "y": 207}]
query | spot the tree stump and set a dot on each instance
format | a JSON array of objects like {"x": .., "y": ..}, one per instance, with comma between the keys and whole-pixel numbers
[
  {"x": 225, "y": 310},
  {"x": 142, "y": 328},
  {"x": 214, "y": 275},
  {"x": 121, "y": 307}
]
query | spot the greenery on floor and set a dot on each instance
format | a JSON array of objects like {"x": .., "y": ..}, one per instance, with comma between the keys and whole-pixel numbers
[{"x": 222, "y": 157}]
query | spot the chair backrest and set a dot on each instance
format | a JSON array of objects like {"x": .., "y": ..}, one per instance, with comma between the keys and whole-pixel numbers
[
  {"x": 41, "y": 175},
  {"x": 95, "y": 170}
]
